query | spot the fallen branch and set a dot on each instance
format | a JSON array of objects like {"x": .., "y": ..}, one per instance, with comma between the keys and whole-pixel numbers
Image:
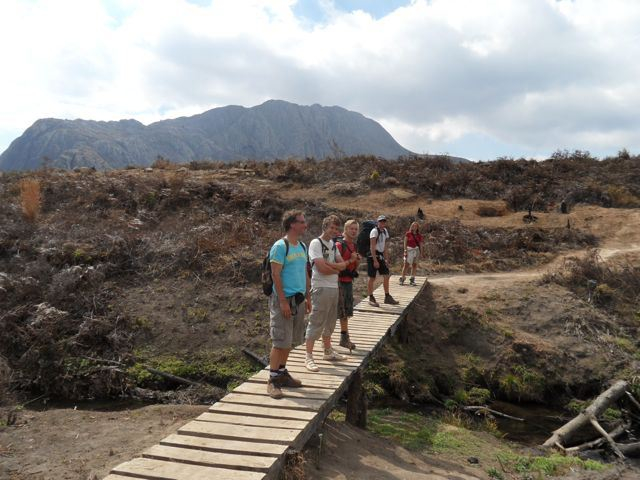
[
  {"x": 599, "y": 405},
  {"x": 261, "y": 360},
  {"x": 633, "y": 400},
  {"x": 607, "y": 437},
  {"x": 173, "y": 378},
  {"x": 484, "y": 408},
  {"x": 615, "y": 433},
  {"x": 160, "y": 373}
]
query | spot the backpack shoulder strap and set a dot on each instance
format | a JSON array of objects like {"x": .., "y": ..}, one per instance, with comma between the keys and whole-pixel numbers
[{"x": 286, "y": 247}]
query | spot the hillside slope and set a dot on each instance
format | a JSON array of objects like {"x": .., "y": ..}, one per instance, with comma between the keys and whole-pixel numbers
[{"x": 275, "y": 129}]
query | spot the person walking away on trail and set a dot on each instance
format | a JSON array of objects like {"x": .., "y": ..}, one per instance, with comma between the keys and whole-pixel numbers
[
  {"x": 327, "y": 263},
  {"x": 413, "y": 250},
  {"x": 347, "y": 248},
  {"x": 376, "y": 261},
  {"x": 291, "y": 287}
]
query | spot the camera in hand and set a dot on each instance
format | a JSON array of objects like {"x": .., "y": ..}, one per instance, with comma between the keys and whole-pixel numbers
[{"x": 349, "y": 273}]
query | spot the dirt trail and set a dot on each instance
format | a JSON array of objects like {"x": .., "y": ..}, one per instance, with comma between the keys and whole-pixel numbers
[{"x": 618, "y": 239}]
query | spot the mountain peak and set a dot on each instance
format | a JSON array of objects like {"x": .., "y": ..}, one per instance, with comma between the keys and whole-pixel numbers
[{"x": 271, "y": 130}]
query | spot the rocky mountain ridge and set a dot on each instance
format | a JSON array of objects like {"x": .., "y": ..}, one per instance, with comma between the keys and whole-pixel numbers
[{"x": 272, "y": 130}]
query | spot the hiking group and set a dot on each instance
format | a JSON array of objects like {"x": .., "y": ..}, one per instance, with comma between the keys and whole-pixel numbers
[{"x": 318, "y": 280}]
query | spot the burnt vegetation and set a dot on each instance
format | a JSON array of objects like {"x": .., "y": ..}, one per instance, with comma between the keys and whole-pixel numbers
[{"x": 73, "y": 243}]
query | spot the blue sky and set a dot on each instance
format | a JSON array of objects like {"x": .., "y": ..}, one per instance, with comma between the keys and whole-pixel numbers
[{"x": 474, "y": 79}]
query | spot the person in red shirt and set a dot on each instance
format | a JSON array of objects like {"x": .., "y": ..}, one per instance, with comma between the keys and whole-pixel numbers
[
  {"x": 347, "y": 248},
  {"x": 412, "y": 251}
]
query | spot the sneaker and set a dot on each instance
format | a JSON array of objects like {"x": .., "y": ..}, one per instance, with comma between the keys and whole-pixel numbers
[
  {"x": 273, "y": 390},
  {"x": 401, "y": 280},
  {"x": 389, "y": 300},
  {"x": 372, "y": 301},
  {"x": 311, "y": 365},
  {"x": 346, "y": 342},
  {"x": 286, "y": 380},
  {"x": 333, "y": 356},
  {"x": 412, "y": 281}
]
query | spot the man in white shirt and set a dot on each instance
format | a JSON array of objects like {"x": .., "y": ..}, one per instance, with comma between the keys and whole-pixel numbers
[
  {"x": 327, "y": 263},
  {"x": 376, "y": 261}
]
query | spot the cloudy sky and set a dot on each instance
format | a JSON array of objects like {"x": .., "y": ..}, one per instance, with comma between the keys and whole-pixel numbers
[{"x": 478, "y": 79}]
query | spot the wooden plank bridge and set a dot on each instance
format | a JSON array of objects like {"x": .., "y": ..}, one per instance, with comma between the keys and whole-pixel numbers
[{"x": 246, "y": 434}]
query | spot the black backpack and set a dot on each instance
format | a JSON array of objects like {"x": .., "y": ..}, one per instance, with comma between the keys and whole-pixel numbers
[
  {"x": 267, "y": 279},
  {"x": 363, "y": 242}
]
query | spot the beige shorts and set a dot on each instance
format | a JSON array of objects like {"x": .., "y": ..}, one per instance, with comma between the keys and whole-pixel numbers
[
  {"x": 324, "y": 312},
  {"x": 286, "y": 333},
  {"x": 412, "y": 255}
]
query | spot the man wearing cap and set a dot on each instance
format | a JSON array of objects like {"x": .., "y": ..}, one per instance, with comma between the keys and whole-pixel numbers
[{"x": 376, "y": 261}]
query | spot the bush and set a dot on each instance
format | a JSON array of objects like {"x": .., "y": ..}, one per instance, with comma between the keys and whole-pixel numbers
[
  {"x": 490, "y": 211},
  {"x": 30, "y": 198},
  {"x": 621, "y": 197}
]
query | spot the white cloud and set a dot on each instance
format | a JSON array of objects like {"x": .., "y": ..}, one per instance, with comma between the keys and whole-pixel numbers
[{"x": 527, "y": 75}]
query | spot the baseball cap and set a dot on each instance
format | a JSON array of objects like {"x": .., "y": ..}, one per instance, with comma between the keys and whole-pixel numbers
[{"x": 382, "y": 218}]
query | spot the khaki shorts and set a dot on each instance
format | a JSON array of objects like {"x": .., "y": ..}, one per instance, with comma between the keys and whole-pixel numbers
[
  {"x": 324, "y": 312},
  {"x": 412, "y": 255},
  {"x": 286, "y": 333}
]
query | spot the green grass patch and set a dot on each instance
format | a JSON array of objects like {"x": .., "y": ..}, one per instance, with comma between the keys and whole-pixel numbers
[
  {"x": 551, "y": 465},
  {"x": 226, "y": 368}
]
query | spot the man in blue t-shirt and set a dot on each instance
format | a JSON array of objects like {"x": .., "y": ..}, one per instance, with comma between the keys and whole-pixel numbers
[{"x": 291, "y": 285}]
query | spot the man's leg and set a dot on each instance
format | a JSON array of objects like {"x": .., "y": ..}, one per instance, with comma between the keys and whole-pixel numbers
[
  {"x": 384, "y": 270},
  {"x": 314, "y": 327},
  {"x": 385, "y": 283},
  {"x": 330, "y": 321},
  {"x": 280, "y": 341}
]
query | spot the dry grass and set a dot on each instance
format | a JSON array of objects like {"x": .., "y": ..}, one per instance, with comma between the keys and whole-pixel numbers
[
  {"x": 294, "y": 467},
  {"x": 30, "y": 198}
]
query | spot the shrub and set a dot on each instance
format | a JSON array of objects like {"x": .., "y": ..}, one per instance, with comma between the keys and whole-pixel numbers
[
  {"x": 162, "y": 163},
  {"x": 490, "y": 211},
  {"x": 621, "y": 197},
  {"x": 30, "y": 198}
]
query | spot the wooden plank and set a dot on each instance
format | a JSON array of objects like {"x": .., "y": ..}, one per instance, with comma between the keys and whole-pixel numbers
[
  {"x": 330, "y": 368},
  {"x": 224, "y": 445},
  {"x": 343, "y": 365},
  {"x": 302, "y": 392},
  {"x": 149, "y": 468},
  {"x": 258, "y": 411},
  {"x": 309, "y": 379},
  {"x": 252, "y": 421},
  {"x": 212, "y": 459},
  {"x": 325, "y": 377},
  {"x": 282, "y": 436},
  {"x": 349, "y": 361},
  {"x": 290, "y": 403},
  {"x": 296, "y": 369}
]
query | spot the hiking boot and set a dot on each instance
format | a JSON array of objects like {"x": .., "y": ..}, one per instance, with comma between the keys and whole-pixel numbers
[
  {"x": 332, "y": 356},
  {"x": 286, "y": 380},
  {"x": 412, "y": 281},
  {"x": 311, "y": 365},
  {"x": 401, "y": 280},
  {"x": 273, "y": 390},
  {"x": 389, "y": 300},
  {"x": 372, "y": 301},
  {"x": 346, "y": 342}
]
